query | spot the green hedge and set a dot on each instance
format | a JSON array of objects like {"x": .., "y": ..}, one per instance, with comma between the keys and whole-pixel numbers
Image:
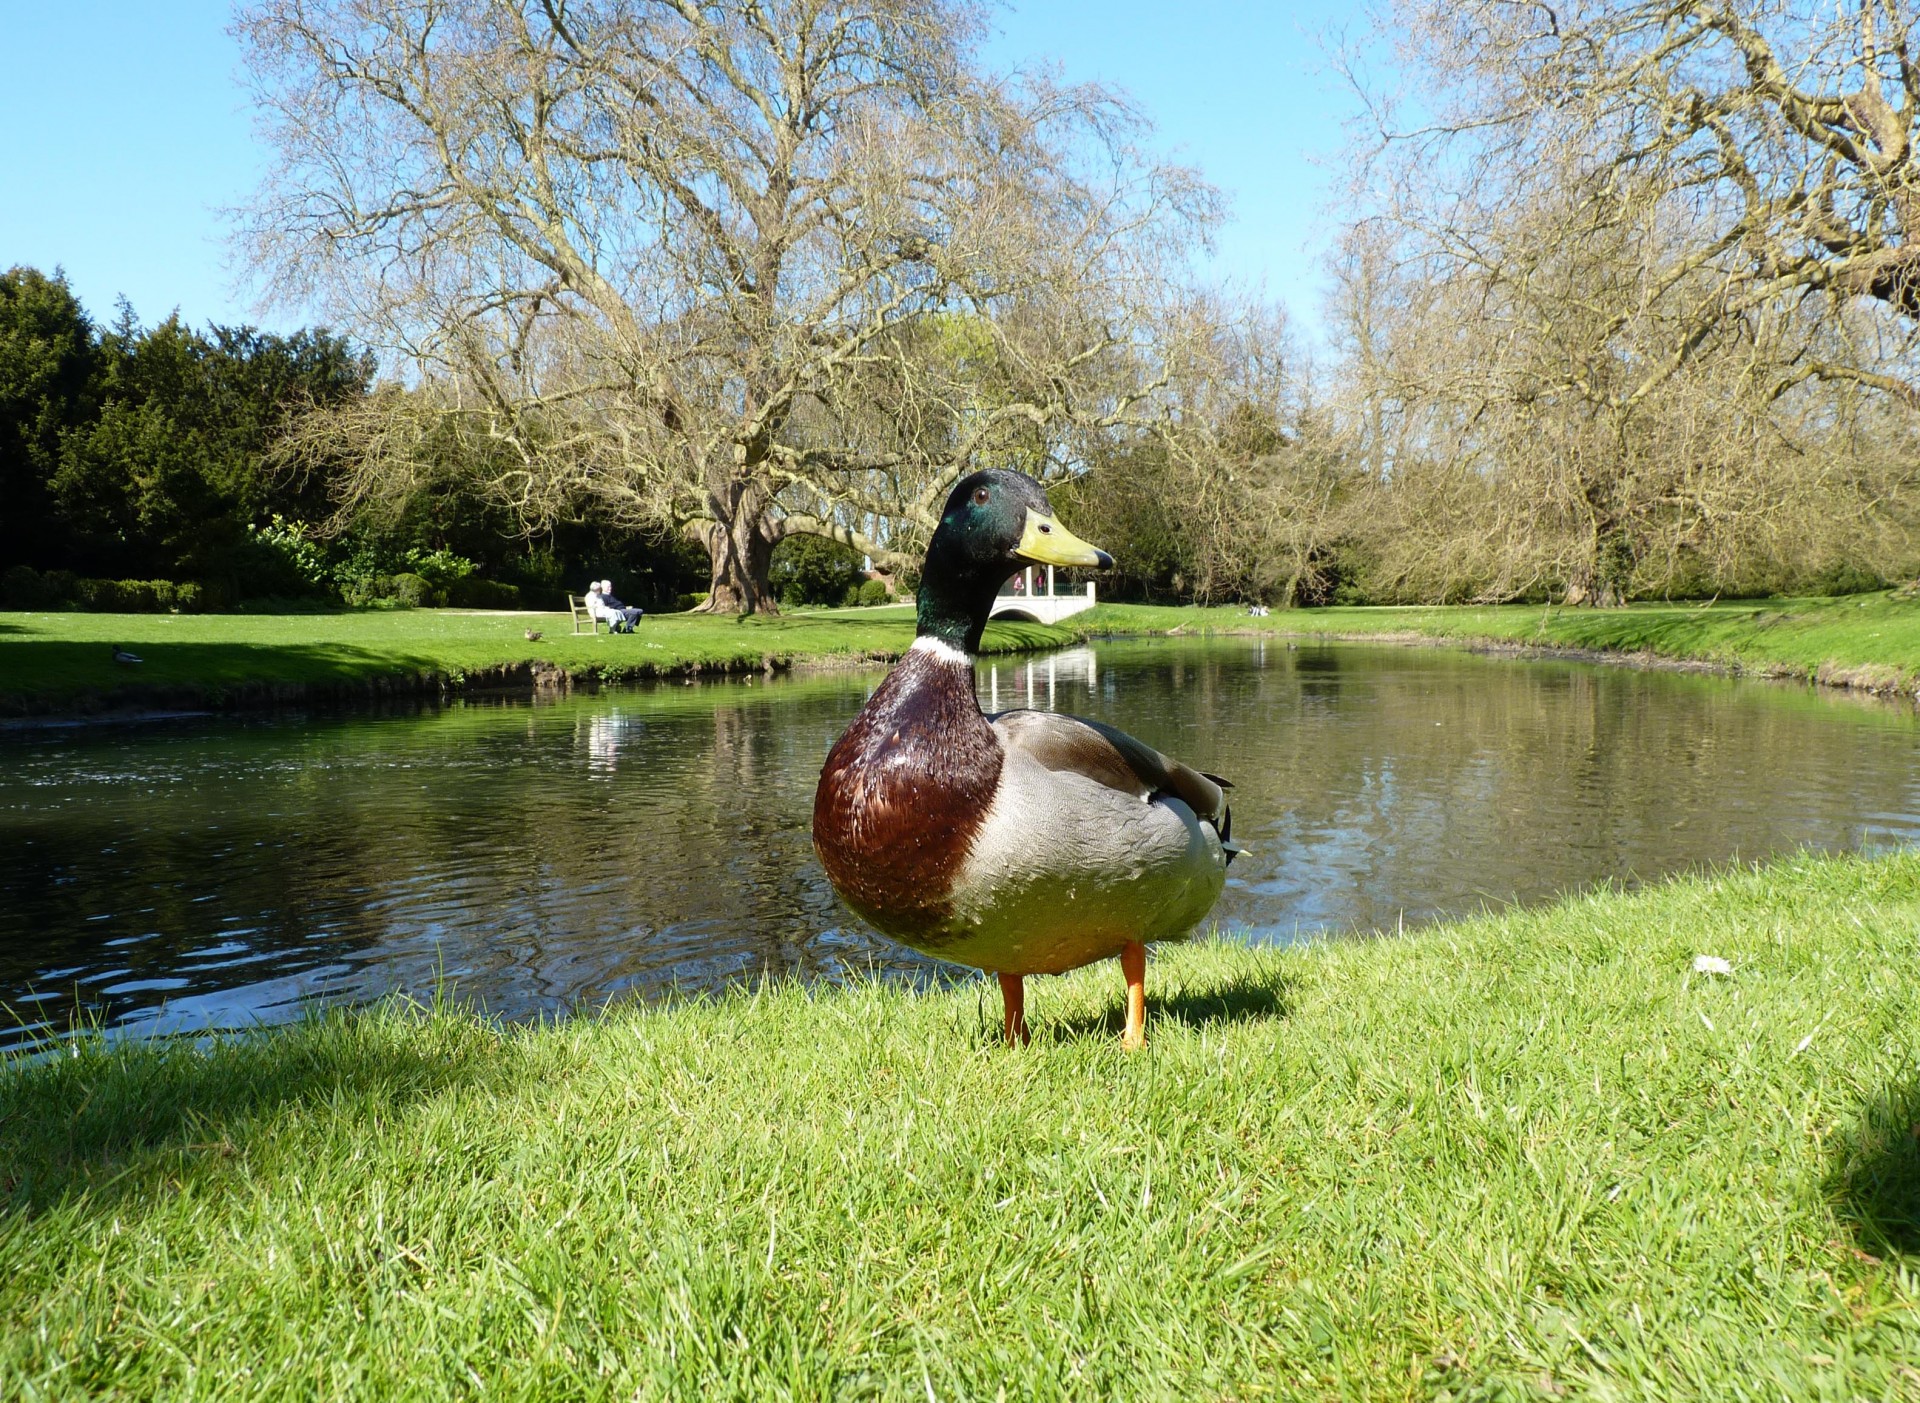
[
  {"x": 472, "y": 592},
  {"x": 23, "y": 587},
  {"x": 401, "y": 591}
]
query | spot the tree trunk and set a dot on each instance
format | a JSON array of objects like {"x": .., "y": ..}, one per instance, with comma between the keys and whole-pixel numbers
[
  {"x": 1604, "y": 577},
  {"x": 740, "y": 552},
  {"x": 1594, "y": 589}
]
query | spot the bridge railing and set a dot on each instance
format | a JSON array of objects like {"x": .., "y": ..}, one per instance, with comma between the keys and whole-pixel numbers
[{"x": 1036, "y": 582}]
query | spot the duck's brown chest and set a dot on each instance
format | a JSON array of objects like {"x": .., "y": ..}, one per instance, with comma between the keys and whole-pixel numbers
[{"x": 902, "y": 796}]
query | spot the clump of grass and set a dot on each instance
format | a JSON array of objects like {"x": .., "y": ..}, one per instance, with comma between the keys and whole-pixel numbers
[{"x": 1517, "y": 1156}]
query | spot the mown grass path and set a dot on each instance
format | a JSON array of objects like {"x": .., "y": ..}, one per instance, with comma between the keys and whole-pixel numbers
[{"x": 1525, "y": 1156}]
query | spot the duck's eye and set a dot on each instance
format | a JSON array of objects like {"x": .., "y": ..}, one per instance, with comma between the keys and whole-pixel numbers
[{"x": 980, "y": 495}]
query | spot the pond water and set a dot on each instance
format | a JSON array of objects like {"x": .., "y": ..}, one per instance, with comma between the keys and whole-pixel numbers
[{"x": 546, "y": 855}]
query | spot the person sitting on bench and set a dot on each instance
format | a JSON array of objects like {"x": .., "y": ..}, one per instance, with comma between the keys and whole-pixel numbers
[{"x": 602, "y": 605}]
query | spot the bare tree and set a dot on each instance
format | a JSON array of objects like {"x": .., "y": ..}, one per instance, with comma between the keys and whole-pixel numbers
[
  {"x": 1485, "y": 406},
  {"x": 751, "y": 267},
  {"x": 1259, "y": 484},
  {"x": 1624, "y": 304},
  {"x": 1772, "y": 141},
  {"x": 1241, "y": 492}
]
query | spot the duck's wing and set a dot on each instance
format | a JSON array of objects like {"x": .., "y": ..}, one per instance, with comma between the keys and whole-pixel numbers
[{"x": 1115, "y": 759}]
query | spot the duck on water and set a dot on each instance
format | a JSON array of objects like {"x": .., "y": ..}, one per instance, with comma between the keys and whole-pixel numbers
[{"x": 1025, "y": 842}]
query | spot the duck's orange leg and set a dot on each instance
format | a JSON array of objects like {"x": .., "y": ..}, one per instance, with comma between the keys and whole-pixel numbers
[
  {"x": 1133, "y": 964},
  {"x": 1013, "y": 997}
]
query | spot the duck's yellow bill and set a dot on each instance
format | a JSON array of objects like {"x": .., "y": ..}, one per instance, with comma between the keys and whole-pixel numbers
[{"x": 1047, "y": 542}]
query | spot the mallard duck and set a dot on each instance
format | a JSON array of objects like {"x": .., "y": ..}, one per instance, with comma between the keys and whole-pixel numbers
[
  {"x": 123, "y": 657},
  {"x": 1021, "y": 843}
]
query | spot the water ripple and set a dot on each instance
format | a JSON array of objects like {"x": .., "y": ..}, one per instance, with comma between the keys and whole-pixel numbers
[{"x": 217, "y": 874}]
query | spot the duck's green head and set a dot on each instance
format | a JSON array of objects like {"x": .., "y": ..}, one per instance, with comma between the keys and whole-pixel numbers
[{"x": 994, "y": 524}]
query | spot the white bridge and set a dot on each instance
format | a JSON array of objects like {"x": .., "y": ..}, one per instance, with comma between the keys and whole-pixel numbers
[{"x": 1026, "y": 596}]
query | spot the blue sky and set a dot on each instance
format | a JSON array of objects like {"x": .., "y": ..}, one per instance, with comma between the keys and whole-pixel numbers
[{"x": 128, "y": 135}]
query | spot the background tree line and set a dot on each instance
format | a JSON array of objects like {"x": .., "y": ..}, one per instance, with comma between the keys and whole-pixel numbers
[
  {"x": 732, "y": 292},
  {"x": 159, "y": 455},
  {"x": 1624, "y": 298},
  {"x": 1625, "y": 306}
]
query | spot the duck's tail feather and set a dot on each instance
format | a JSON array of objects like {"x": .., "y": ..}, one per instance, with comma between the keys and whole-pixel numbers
[{"x": 1224, "y": 827}]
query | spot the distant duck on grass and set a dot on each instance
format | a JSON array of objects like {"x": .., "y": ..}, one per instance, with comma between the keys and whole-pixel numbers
[
  {"x": 121, "y": 655},
  {"x": 1022, "y": 843},
  {"x": 533, "y": 635}
]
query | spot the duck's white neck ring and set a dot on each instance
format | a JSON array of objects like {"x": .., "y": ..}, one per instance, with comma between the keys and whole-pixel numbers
[{"x": 942, "y": 651}]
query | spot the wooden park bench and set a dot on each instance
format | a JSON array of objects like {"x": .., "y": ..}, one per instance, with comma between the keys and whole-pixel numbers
[{"x": 580, "y": 615}]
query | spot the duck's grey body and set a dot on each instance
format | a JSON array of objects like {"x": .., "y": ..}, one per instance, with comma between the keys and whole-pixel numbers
[{"x": 1112, "y": 840}]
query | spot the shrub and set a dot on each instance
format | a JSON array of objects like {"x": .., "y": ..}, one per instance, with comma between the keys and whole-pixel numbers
[
  {"x": 1844, "y": 577},
  {"x": 23, "y": 587},
  {"x": 874, "y": 592},
  {"x": 472, "y": 592},
  {"x": 441, "y": 569},
  {"x": 362, "y": 591},
  {"x": 409, "y": 591},
  {"x": 284, "y": 559},
  {"x": 62, "y": 586},
  {"x": 284, "y": 604},
  {"x": 125, "y": 596},
  {"x": 105, "y": 597},
  {"x": 813, "y": 570},
  {"x": 401, "y": 591}
]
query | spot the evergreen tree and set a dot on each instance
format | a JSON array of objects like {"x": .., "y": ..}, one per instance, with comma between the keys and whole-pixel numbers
[{"x": 50, "y": 368}]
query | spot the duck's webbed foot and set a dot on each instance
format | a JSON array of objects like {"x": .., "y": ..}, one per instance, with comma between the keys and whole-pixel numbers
[
  {"x": 1133, "y": 964},
  {"x": 1013, "y": 998}
]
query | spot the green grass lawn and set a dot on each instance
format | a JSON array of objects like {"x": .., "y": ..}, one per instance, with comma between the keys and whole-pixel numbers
[
  {"x": 1524, "y": 1156},
  {"x": 53, "y": 659},
  {"x": 1876, "y": 633},
  {"x": 53, "y": 662}
]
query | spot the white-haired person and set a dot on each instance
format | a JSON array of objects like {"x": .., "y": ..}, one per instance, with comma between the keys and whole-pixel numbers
[{"x": 601, "y": 604}]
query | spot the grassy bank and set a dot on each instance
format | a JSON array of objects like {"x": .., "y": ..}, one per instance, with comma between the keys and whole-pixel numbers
[
  {"x": 1870, "y": 641},
  {"x": 52, "y": 663},
  {"x": 1508, "y": 1158},
  {"x": 64, "y": 662}
]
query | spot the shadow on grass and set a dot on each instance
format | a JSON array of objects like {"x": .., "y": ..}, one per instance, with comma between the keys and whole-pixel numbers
[
  {"x": 102, "y": 1122},
  {"x": 1197, "y": 1004},
  {"x": 1875, "y": 1183},
  {"x": 59, "y": 670}
]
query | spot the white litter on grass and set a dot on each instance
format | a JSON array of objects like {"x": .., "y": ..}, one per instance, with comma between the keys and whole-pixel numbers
[
  {"x": 1807, "y": 1041},
  {"x": 1711, "y": 964}
]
